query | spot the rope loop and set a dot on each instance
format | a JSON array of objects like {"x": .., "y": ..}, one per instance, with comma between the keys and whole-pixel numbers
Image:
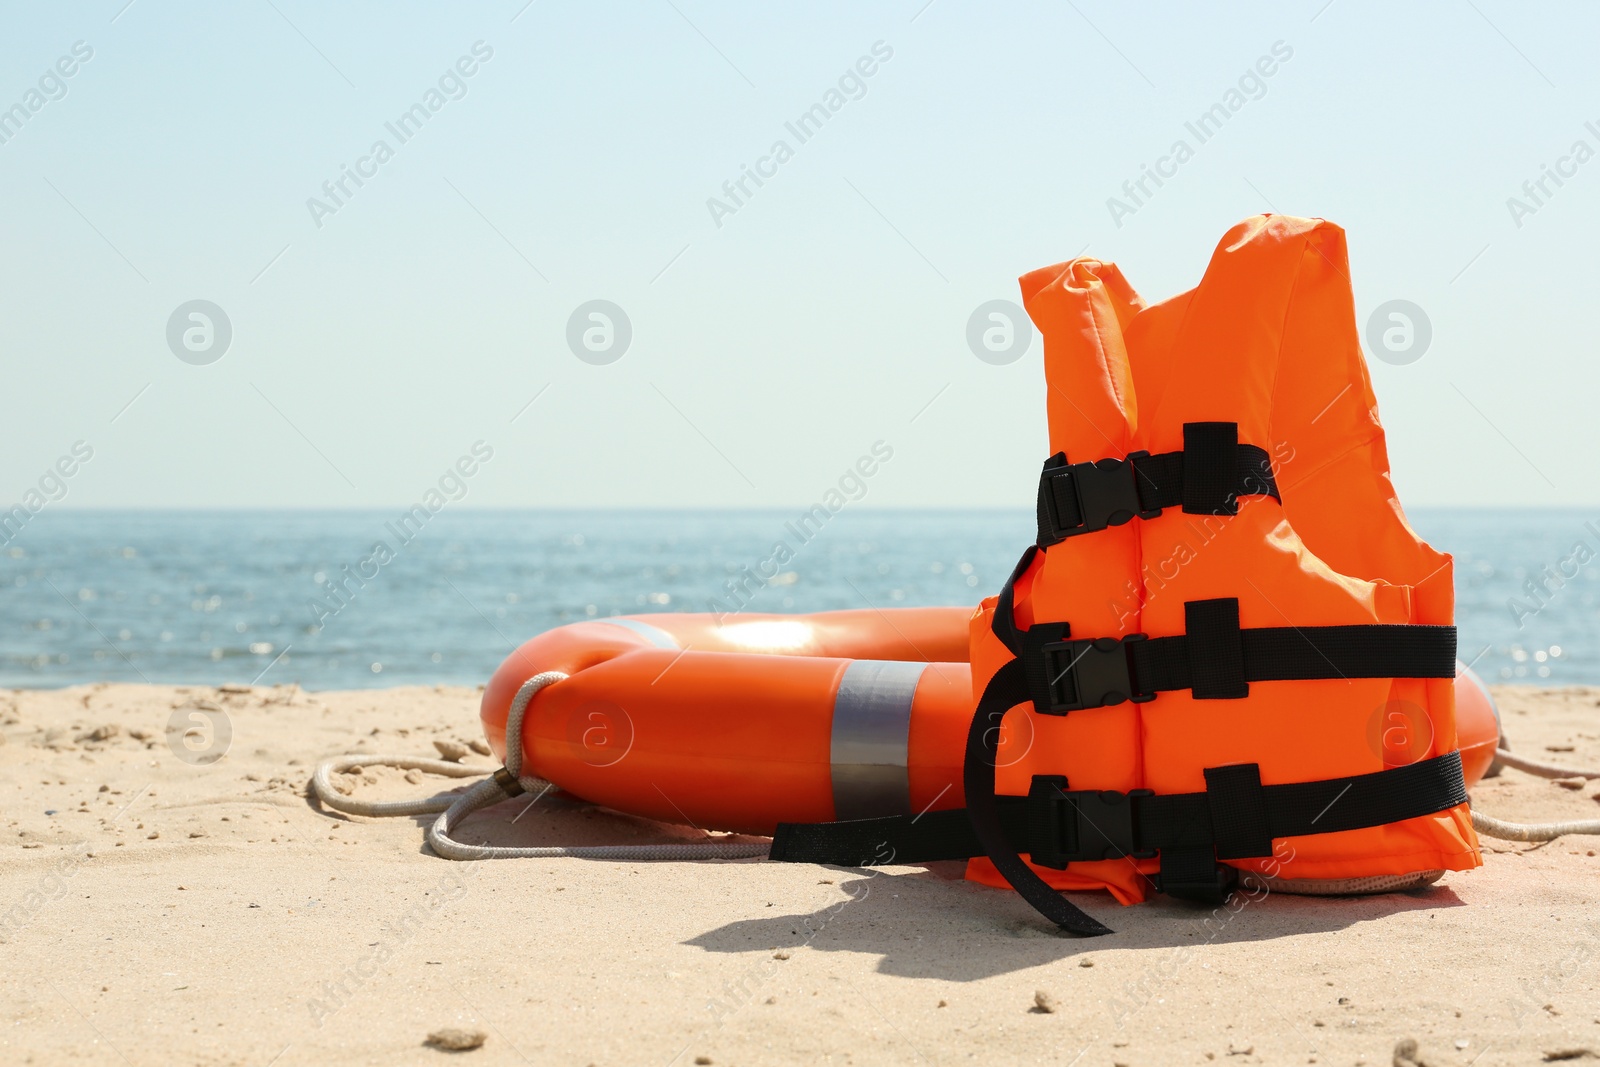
[{"x": 454, "y": 809}]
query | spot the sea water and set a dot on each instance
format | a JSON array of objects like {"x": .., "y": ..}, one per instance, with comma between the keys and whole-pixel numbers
[{"x": 307, "y": 597}]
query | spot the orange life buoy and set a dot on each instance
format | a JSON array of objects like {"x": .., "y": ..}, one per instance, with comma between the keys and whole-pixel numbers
[
  {"x": 1477, "y": 725},
  {"x": 745, "y": 723}
]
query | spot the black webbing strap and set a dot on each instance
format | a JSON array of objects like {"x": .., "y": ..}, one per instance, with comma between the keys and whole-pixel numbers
[
  {"x": 1217, "y": 660},
  {"x": 925, "y": 838},
  {"x": 1237, "y": 803},
  {"x": 1215, "y": 653},
  {"x": 1235, "y": 818},
  {"x": 1004, "y": 623},
  {"x": 1207, "y": 478},
  {"x": 1005, "y": 691}
]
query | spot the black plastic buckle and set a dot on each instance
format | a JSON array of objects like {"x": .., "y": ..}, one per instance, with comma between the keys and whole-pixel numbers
[
  {"x": 1089, "y": 673},
  {"x": 1073, "y": 826},
  {"x": 1106, "y": 493}
]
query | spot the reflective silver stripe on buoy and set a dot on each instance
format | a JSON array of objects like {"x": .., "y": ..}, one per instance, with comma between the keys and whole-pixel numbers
[
  {"x": 871, "y": 735},
  {"x": 654, "y": 634}
]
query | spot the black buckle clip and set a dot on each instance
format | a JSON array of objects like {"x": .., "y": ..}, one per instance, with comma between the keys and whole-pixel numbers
[
  {"x": 1089, "y": 673},
  {"x": 1106, "y": 493},
  {"x": 1073, "y": 826}
]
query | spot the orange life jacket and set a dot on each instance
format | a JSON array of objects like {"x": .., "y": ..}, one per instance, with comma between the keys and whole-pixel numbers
[{"x": 1234, "y": 651}]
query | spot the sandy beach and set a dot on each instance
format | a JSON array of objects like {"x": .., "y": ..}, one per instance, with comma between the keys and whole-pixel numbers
[{"x": 159, "y": 908}]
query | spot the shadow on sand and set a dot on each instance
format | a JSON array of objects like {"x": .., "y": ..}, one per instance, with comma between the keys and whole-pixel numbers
[
  {"x": 929, "y": 922},
  {"x": 933, "y": 924}
]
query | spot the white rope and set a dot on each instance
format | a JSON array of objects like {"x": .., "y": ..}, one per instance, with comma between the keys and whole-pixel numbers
[
  {"x": 329, "y": 795},
  {"x": 1543, "y": 770},
  {"x": 1543, "y": 831},
  {"x": 1539, "y": 831},
  {"x": 490, "y": 792},
  {"x": 519, "y": 707}
]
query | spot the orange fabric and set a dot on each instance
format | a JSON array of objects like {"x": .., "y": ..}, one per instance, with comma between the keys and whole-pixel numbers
[{"x": 1267, "y": 340}]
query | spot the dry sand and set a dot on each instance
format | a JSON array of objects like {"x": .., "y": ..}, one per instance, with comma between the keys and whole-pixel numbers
[{"x": 158, "y": 911}]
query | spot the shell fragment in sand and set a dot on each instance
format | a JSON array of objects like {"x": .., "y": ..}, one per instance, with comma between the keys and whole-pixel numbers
[
  {"x": 454, "y": 751},
  {"x": 453, "y": 1040},
  {"x": 1406, "y": 1054}
]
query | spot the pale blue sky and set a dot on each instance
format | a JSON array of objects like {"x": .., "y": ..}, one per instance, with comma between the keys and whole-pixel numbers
[{"x": 769, "y": 353}]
